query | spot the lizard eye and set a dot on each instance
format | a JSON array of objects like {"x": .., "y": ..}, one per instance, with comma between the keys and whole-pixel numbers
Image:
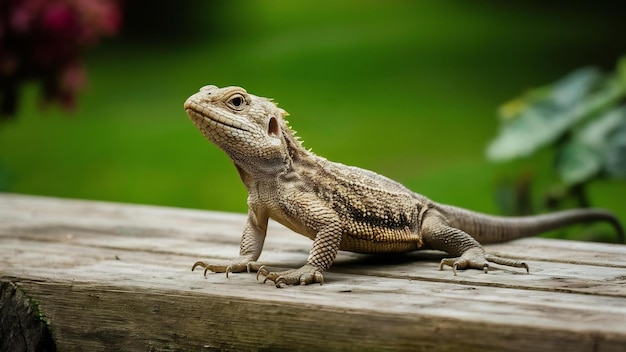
[{"x": 237, "y": 102}]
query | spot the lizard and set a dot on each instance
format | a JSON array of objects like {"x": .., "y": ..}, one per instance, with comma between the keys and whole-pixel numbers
[{"x": 343, "y": 207}]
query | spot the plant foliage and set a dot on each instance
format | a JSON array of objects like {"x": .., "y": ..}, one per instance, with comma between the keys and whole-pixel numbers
[{"x": 582, "y": 116}]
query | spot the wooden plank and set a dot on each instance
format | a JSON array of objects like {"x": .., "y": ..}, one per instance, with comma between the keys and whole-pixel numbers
[
  {"x": 576, "y": 252},
  {"x": 111, "y": 275},
  {"x": 111, "y": 228}
]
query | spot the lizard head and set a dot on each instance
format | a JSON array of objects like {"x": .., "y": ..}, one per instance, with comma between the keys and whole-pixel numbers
[{"x": 250, "y": 129}]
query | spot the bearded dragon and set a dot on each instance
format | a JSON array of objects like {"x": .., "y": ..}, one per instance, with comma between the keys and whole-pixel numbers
[{"x": 342, "y": 207}]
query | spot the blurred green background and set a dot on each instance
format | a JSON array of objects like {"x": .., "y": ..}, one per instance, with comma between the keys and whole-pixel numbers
[{"x": 408, "y": 89}]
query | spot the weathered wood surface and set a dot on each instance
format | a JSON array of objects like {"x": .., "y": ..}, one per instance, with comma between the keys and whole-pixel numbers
[{"x": 117, "y": 277}]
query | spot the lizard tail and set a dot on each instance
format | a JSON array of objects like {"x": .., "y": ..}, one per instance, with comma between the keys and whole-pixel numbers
[{"x": 495, "y": 229}]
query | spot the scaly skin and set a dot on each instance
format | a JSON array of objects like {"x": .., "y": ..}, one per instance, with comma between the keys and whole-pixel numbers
[{"x": 342, "y": 207}]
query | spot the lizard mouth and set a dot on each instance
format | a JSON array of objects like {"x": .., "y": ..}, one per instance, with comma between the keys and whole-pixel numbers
[{"x": 199, "y": 116}]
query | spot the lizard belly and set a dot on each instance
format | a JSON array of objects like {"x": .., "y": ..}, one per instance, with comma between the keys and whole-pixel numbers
[
  {"x": 384, "y": 241},
  {"x": 362, "y": 239}
]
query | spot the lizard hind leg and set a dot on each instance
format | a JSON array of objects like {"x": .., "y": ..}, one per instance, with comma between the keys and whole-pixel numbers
[{"x": 469, "y": 254}]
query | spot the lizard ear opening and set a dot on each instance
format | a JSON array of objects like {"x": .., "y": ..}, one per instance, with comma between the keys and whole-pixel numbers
[{"x": 272, "y": 128}]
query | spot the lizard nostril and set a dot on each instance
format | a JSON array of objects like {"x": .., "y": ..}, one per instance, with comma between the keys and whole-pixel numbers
[{"x": 272, "y": 128}]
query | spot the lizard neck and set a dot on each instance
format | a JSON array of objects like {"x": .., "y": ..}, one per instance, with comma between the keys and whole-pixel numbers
[
  {"x": 296, "y": 152},
  {"x": 294, "y": 158}
]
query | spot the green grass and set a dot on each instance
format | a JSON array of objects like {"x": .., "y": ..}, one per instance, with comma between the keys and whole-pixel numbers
[{"x": 407, "y": 89}]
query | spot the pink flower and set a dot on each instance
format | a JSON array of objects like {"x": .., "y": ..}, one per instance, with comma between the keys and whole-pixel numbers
[
  {"x": 43, "y": 40},
  {"x": 60, "y": 19}
]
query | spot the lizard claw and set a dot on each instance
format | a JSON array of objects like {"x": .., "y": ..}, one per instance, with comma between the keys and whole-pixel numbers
[
  {"x": 206, "y": 267},
  {"x": 280, "y": 282},
  {"x": 262, "y": 271},
  {"x": 228, "y": 270}
]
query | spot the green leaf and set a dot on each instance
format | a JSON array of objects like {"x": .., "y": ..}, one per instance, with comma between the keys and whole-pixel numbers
[
  {"x": 576, "y": 163},
  {"x": 599, "y": 144},
  {"x": 523, "y": 135},
  {"x": 567, "y": 91},
  {"x": 615, "y": 154},
  {"x": 578, "y": 96},
  {"x": 596, "y": 133}
]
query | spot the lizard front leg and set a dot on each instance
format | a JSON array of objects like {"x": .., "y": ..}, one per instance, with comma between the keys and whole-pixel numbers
[
  {"x": 467, "y": 252},
  {"x": 321, "y": 257},
  {"x": 325, "y": 223},
  {"x": 249, "y": 250}
]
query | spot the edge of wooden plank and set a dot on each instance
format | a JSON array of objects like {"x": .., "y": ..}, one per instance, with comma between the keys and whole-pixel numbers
[{"x": 94, "y": 317}]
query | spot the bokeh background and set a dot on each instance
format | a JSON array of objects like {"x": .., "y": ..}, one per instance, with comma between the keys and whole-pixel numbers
[{"x": 408, "y": 89}]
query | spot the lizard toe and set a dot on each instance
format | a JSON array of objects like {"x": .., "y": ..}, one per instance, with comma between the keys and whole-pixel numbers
[
  {"x": 236, "y": 266},
  {"x": 470, "y": 259},
  {"x": 478, "y": 259},
  {"x": 506, "y": 261},
  {"x": 216, "y": 268},
  {"x": 308, "y": 274},
  {"x": 464, "y": 263}
]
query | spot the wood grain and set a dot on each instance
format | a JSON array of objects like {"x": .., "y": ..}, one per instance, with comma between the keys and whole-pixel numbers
[{"x": 117, "y": 276}]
